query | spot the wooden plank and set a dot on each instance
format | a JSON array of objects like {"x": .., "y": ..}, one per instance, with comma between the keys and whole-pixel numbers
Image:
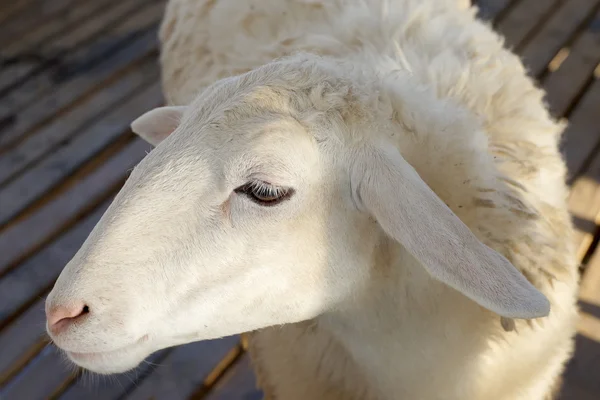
[
  {"x": 61, "y": 53},
  {"x": 30, "y": 186},
  {"x": 579, "y": 382},
  {"x": 569, "y": 392},
  {"x": 11, "y": 9},
  {"x": 238, "y": 382},
  {"x": 491, "y": 9},
  {"x": 31, "y": 18},
  {"x": 54, "y": 374},
  {"x": 47, "y": 377},
  {"x": 584, "y": 205},
  {"x": 22, "y": 286},
  {"x": 110, "y": 33},
  {"x": 150, "y": 15},
  {"x": 582, "y": 135},
  {"x": 522, "y": 20},
  {"x": 123, "y": 11},
  {"x": 51, "y": 105},
  {"x": 581, "y": 376},
  {"x": 589, "y": 326},
  {"x": 589, "y": 289},
  {"x": 566, "y": 83},
  {"x": 22, "y": 340},
  {"x": 14, "y": 70},
  {"x": 25, "y": 237},
  {"x": 95, "y": 387},
  {"x": 66, "y": 21},
  {"x": 555, "y": 34},
  {"x": 183, "y": 370},
  {"x": 77, "y": 119}
]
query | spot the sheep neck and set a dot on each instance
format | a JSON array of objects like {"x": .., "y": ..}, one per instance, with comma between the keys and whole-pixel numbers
[{"x": 389, "y": 321}]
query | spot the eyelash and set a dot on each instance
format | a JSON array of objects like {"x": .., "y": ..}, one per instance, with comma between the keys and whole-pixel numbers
[{"x": 264, "y": 193}]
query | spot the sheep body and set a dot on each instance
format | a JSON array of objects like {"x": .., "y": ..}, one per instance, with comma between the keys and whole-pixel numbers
[{"x": 512, "y": 197}]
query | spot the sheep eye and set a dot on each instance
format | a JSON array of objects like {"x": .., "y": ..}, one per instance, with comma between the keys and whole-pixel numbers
[{"x": 264, "y": 193}]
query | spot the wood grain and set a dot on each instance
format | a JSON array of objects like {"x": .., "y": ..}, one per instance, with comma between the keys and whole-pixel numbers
[
  {"x": 36, "y": 15},
  {"x": 183, "y": 370},
  {"x": 566, "y": 83},
  {"x": 77, "y": 120},
  {"x": 555, "y": 34},
  {"x": 47, "y": 376},
  {"x": 18, "y": 194},
  {"x": 24, "y": 237},
  {"x": 490, "y": 9},
  {"x": 79, "y": 74},
  {"x": 33, "y": 40},
  {"x": 582, "y": 136},
  {"x": 523, "y": 19},
  {"x": 20, "y": 341},
  {"x": 237, "y": 383},
  {"x": 22, "y": 286}
]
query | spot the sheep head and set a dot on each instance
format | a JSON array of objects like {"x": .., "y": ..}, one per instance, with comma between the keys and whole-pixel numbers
[{"x": 260, "y": 205}]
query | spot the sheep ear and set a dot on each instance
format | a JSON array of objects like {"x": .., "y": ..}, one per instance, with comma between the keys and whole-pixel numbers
[
  {"x": 389, "y": 188},
  {"x": 155, "y": 125}
]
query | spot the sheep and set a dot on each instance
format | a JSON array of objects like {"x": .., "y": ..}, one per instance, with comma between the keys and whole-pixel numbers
[{"x": 372, "y": 190}]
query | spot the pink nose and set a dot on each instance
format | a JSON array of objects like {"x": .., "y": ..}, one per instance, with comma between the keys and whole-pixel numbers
[{"x": 60, "y": 317}]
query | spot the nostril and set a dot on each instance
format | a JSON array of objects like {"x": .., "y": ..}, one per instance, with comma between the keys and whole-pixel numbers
[{"x": 60, "y": 317}]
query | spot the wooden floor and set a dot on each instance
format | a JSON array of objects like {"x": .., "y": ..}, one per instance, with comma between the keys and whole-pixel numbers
[{"x": 75, "y": 73}]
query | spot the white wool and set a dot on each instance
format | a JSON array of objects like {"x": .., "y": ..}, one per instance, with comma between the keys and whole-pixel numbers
[{"x": 424, "y": 166}]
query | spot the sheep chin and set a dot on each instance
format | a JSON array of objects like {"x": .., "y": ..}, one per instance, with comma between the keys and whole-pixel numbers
[{"x": 111, "y": 362}]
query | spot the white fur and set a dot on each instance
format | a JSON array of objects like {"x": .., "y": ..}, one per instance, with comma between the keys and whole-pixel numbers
[{"x": 424, "y": 168}]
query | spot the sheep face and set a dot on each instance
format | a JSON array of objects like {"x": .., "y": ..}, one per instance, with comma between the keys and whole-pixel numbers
[
  {"x": 260, "y": 205},
  {"x": 225, "y": 227}
]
